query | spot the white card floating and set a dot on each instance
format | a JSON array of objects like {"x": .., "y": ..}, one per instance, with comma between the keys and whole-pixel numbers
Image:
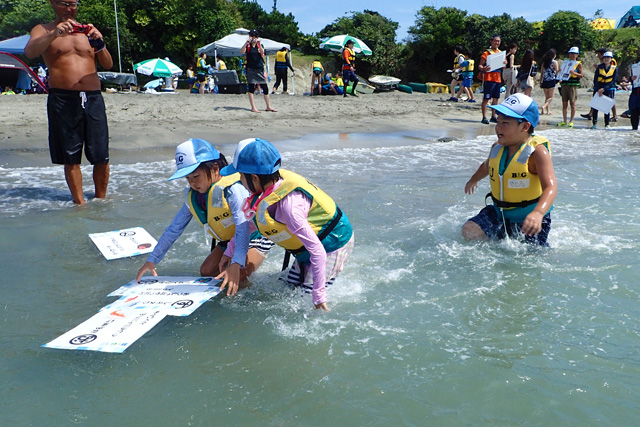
[
  {"x": 141, "y": 306},
  {"x": 177, "y": 296},
  {"x": 124, "y": 243},
  {"x": 109, "y": 332}
]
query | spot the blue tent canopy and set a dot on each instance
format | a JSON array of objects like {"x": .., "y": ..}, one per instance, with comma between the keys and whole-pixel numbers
[
  {"x": 15, "y": 45},
  {"x": 624, "y": 22}
]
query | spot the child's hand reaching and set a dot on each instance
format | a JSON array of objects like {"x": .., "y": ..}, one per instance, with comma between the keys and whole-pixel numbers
[
  {"x": 147, "y": 266},
  {"x": 470, "y": 187},
  {"x": 532, "y": 224}
]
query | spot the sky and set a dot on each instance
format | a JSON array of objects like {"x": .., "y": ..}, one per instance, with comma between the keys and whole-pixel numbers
[{"x": 312, "y": 16}]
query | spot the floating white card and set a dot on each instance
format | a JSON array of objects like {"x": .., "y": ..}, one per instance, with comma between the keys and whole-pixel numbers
[
  {"x": 109, "y": 332},
  {"x": 141, "y": 306},
  {"x": 124, "y": 243}
]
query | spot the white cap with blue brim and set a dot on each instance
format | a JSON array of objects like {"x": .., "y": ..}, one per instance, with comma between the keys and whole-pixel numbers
[
  {"x": 254, "y": 156},
  {"x": 190, "y": 154},
  {"x": 519, "y": 106}
]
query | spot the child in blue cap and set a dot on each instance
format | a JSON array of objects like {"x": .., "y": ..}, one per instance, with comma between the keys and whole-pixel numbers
[
  {"x": 523, "y": 182},
  {"x": 216, "y": 202},
  {"x": 295, "y": 214}
]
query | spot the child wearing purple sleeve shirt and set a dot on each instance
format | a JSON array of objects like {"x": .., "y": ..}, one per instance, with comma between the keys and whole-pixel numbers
[
  {"x": 216, "y": 202},
  {"x": 295, "y": 214}
]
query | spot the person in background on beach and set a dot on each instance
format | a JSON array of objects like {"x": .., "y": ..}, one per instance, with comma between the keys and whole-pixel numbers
[
  {"x": 548, "y": 79},
  {"x": 283, "y": 62},
  {"x": 329, "y": 85},
  {"x": 569, "y": 88},
  {"x": 527, "y": 73},
  {"x": 349, "y": 68},
  {"x": 509, "y": 69},
  {"x": 604, "y": 84},
  {"x": 220, "y": 65},
  {"x": 338, "y": 80},
  {"x": 317, "y": 71},
  {"x": 254, "y": 53},
  {"x": 491, "y": 80},
  {"x": 600, "y": 52},
  {"x": 295, "y": 214},
  {"x": 8, "y": 91},
  {"x": 216, "y": 202},
  {"x": 523, "y": 182},
  {"x": 624, "y": 83},
  {"x": 456, "y": 73},
  {"x": 202, "y": 69},
  {"x": 191, "y": 76},
  {"x": 634, "y": 103},
  {"x": 75, "y": 107},
  {"x": 466, "y": 68}
]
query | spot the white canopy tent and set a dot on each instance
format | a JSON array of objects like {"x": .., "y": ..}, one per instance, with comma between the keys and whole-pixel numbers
[{"x": 230, "y": 45}]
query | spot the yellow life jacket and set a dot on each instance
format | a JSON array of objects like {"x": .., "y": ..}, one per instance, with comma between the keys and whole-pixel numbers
[
  {"x": 202, "y": 66},
  {"x": 222, "y": 65},
  {"x": 457, "y": 61},
  {"x": 325, "y": 218},
  {"x": 573, "y": 81},
  {"x": 515, "y": 191},
  {"x": 281, "y": 56},
  {"x": 317, "y": 65},
  {"x": 606, "y": 77},
  {"x": 217, "y": 220},
  {"x": 352, "y": 58},
  {"x": 469, "y": 67}
]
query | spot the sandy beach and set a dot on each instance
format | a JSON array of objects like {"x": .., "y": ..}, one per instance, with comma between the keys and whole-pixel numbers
[{"x": 141, "y": 124}]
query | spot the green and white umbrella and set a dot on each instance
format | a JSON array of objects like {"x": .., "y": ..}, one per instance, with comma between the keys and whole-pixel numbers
[
  {"x": 336, "y": 44},
  {"x": 157, "y": 67}
]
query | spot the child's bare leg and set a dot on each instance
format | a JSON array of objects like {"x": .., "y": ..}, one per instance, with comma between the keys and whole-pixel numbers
[
  {"x": 210, "y": 264},
  {"x": 472, "y": 231}
]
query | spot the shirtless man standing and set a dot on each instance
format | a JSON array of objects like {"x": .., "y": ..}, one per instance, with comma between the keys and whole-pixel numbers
[{"x": 75, "y": 106}]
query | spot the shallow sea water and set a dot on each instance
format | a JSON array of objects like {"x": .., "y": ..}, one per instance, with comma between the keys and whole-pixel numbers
[{"x": 425, "y": 328}]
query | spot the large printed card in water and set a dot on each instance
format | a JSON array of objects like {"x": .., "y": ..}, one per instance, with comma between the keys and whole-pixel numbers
[
  {"x": 109, "y": 331},
  {"x": 124, "y": 243},
  {"x": 140, "y": 307},
  {"x": 176, "y": 296}
]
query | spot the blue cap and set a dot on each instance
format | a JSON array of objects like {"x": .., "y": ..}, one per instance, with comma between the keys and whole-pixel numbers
[
  {"x": 255, "y": 156},
  {"x": 519, "y": 106},
  {"x": 190, "y": 154}
]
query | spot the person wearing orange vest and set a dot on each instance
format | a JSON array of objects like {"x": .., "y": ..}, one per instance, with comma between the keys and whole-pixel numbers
[
  {"x": 349, "y": 68},
  {"x": 492, "y": 79}
]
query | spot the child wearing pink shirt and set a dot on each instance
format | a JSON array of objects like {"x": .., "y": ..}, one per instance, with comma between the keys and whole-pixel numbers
[{"x": 295, "y": 214}]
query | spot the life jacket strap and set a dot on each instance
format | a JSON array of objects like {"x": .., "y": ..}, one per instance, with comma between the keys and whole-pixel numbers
[
  {"x": 334, "y": 222},
  {"x": 503, "y": 204}
]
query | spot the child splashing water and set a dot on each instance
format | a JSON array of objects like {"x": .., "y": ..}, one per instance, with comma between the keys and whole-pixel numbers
[
  {"x": 295, "y": 214},
  {"x": 216, "y": 202},
  {"x": 523, "y": 182}
]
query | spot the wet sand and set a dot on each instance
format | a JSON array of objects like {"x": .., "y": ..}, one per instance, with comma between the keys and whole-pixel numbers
[{"x": 146, "y": 127}]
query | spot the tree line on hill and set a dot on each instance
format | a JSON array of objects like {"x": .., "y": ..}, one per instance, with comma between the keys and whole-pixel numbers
[{"x": 175, "y": 28}]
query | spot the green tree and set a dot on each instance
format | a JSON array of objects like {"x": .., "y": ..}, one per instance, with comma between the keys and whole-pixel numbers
[
  {"x": 432, "y": 39},
  {"x": 564, "y": 29},
  {"x": 18, "y": 17},
  {"x": 275, "y": 25}
]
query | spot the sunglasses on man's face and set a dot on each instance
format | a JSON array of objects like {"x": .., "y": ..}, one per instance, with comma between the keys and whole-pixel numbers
[{"x": 72, "y": 5}]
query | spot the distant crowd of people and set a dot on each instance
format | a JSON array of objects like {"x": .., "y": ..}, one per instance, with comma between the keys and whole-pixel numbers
[{"x": 510, "y": 78}]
